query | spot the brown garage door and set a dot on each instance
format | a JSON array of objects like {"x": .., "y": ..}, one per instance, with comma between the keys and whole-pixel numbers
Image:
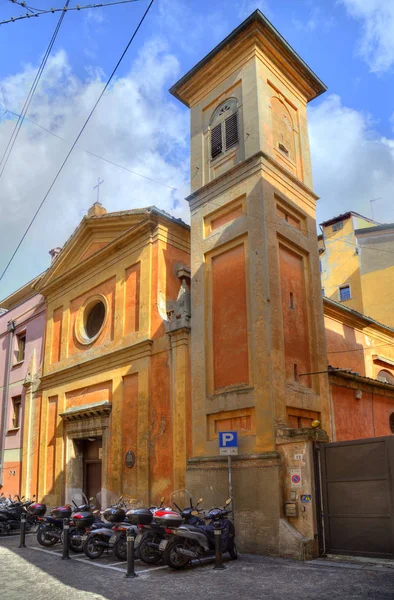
[{"x": 357, "y": 497}]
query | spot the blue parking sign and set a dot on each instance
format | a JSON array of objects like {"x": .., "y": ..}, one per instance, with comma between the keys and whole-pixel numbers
[{"x": 228, "y": 439}]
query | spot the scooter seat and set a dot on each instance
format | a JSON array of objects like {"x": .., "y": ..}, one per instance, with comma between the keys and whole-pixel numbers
[{"x": 102, "y": 525}]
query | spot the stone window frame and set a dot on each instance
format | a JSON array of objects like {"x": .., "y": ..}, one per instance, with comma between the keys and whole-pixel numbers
[
  {"x": 80, "y": 322},
  {"x": 220, "y": 118}
]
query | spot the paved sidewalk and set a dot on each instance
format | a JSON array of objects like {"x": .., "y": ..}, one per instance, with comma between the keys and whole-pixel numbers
[{"x": 33, "y": 574}]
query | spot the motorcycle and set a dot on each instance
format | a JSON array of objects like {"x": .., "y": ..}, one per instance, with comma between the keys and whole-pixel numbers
[
  {"x": 187, "y": 542},
  {"x": 11, "y": 512}
]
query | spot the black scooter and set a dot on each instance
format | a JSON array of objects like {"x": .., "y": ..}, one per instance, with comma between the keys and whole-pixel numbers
[
  {"x": 10, "y": 516},
  {"x": 188, "y": 542}
]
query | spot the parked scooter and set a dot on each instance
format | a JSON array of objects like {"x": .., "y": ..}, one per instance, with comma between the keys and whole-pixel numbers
[
  {"x": 51, "y": 526},
  {"x": 50, "y": 530},
  {"x": 11, "y": 512},
  {"x": 156, "y": 531},
  {"x": 102, "y": 536},
  {"x": 188, "y": 542},
  {"x": 82, "y": 519}
]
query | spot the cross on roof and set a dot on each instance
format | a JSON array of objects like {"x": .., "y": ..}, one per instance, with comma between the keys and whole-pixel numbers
[{"x": 97, "y": 187}]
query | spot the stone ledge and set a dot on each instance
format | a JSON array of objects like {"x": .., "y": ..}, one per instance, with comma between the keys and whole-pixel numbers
[
  {"x": 286, "y": 435},
  {"x": 262, "y": 460}
]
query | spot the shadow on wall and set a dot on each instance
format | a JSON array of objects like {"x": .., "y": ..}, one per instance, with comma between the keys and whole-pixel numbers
[{"x": 343, "y": 350}]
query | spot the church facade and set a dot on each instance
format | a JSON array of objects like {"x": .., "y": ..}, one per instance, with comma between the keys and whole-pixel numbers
[{"x": 159, "y": 336}]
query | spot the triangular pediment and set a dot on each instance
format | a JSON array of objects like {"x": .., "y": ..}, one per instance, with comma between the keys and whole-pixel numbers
[{"x": 90, "y": 240}]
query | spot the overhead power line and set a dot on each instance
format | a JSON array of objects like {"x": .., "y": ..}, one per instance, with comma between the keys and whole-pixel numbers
[
  {"x": 36, "y": 12},
  {"x": 18, "y": 124},
  {"x": 111, "y": 162},
  {"x": 77, "y": 138}
]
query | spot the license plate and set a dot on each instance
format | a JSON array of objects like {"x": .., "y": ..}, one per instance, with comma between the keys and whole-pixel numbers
[
  {"x": 84, "y": 538},
  {"x": 163, "y": 545},
  {"x": 138, "y": 539}
]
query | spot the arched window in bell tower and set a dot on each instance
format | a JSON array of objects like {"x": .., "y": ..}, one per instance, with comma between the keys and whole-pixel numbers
[
  {"x": 282, "y": 129},
  {"x": 224, "y": 127}
]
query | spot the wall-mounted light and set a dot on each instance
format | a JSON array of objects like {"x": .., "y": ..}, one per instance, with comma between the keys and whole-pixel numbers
[{"x": 358, "y": 394}]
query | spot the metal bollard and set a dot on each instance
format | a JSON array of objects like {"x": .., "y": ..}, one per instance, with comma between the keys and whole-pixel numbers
[
  {"x": 130, "y": 555},
  {"x": 218, "y": 548},
  {"x": 23, "y": 533},
  {"x": 66, "y": 529}
]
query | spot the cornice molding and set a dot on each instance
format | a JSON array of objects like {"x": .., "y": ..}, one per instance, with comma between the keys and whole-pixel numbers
[{"x": 105, "y": 362}]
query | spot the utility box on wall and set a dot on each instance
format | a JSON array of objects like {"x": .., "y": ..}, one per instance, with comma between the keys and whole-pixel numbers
[{"x": 291, "y": 509}]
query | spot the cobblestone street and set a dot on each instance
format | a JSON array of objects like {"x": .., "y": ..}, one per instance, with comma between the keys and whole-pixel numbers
[{"x": 39, "y": 573}]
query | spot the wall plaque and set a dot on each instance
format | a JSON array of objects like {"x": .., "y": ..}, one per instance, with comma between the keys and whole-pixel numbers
[{"x": 130, "y": 459}]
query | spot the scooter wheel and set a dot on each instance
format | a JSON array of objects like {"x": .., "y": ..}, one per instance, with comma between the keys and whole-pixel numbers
[
  {"x": 92, "y": 549},
  {"x": 75, "y": 544},
  {"x": 233, "y": 552},
  {"x": 171, "y": 556},
  {"x": 45, "y": 539},
  {"x": 146, "y": 553},
  {"x": 120, "y": 548}
]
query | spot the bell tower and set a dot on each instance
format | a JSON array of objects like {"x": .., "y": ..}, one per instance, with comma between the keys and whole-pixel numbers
[{"x": 257, "y": 314}]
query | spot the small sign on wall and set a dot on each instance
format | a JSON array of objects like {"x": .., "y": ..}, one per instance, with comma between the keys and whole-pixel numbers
[{"x": 295, "y": 478}]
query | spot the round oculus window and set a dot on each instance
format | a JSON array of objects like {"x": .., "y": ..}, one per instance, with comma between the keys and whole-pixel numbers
[
  {"x": 94, "y": 319},
  {"x": 91, "y": 319}
]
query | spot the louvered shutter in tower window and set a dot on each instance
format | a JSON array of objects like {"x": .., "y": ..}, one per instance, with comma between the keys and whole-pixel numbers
[
  {"x": 216, "y": 140},
  {"x": 231, "y": 125}
]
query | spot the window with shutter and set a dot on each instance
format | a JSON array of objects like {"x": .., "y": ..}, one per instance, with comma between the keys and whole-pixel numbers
[
  {"x": 216, "y": 140},
  {"x": 224, "y": 127},
  {"x": 231, "y": 126}
]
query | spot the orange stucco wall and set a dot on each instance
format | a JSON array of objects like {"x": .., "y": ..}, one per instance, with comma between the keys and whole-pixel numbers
[
  {"x": 229, "y": 318},
  {"x": 88, "y": 395},
  {"x": 360, "y": 418},
  {"x": 345, "y": 346},
  {"x": 107, "y": 289},
  {"x": 294, "y": 314},
  {"x": 130, "y": 429},
  {"x": 161, "y": 452},
  {"x": 12, "y": 483},
  {"x": 57, "y": 334},
  {"x": 51, "y": 449},
  {"x": 132, "y": 304}
]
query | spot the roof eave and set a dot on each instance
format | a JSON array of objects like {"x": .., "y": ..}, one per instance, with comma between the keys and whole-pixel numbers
[{"x": 258, "y": 16}]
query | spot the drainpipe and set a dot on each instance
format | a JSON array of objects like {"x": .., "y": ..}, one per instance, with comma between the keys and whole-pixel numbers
[{"x": 4, "y": 417}]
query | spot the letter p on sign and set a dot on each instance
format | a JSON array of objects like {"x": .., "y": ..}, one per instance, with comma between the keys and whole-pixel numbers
[{"x": 228, "y": 442}]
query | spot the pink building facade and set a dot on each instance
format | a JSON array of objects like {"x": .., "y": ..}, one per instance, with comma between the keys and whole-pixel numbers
[{"x": 22, "y": 326}]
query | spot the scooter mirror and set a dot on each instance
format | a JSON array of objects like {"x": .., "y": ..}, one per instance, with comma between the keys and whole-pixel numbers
[
  {"x": 200, "y": 500},
  {"x": 162, "y": 500},
  {"x": 91, "y": 499},
  {"x": 228, "y": 501}
]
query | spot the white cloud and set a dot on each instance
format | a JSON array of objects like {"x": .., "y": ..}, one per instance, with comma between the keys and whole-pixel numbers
[
  {"x": 317, "y": 19},
  {"x": 247, "y": 7},
  {"x": 137, "y": 124},
  {"x": 351, "y": 163},
  {"x": 377, "y": 42}
]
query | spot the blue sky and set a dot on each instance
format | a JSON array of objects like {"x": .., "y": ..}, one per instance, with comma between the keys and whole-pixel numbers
[{"x": 348, "y": 43}]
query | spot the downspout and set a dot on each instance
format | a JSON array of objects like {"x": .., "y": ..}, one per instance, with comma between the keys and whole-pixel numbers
[{"x": 4, "y": 417}]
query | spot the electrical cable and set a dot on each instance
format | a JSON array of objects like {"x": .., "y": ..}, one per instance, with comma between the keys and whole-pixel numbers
[
  {"x": 18, "y": 125},
  {"x": 111, "y": 162},
  {"x": 63, "y": 9},
  {"x": 77, "y": 138}
]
